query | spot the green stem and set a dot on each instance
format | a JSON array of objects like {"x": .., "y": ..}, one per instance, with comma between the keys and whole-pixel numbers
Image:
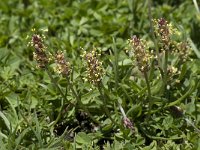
[
  {"x": 73, "y": 91},
  {"x": 116, "y": 70},
  {"x": 63, "y": 97},
  {"x": 192, "y": 124},
  {"x": 115, "y": 64},
  {"x": 159, "y": 138},
  {"x": 165, "y": 69},
  {"x": 78, "y": 99},
  {"x": 152, "y": 32},
  {"x": 195, "y": 104},
  {"x": 59, "y": 89},
  {"x": 104, "y": 102},
  {"x": 149, "y": 93},
  {"x": 122, "y": 110},
  {"x": 150, "y": 18},
  {"x": 196, "y": 5}
]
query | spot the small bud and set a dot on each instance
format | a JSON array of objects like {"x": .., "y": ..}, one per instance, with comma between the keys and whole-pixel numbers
[{"x": 127, "y": 123}]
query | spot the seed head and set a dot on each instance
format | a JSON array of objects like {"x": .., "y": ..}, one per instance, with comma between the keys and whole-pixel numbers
[
  {"x": 63, "y": 67},
  {"x": 94, "y": 67},
  {"x": 39, "y": 53},
  {"x": 184, "y": 50},
  {"x": 127, "y": 123},
  {"x": 139, "y": 51},
  {"x": 162, "y": 31}
]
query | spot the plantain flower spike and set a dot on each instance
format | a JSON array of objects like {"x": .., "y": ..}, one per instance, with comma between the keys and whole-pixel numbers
[
  {"x": 40, "y": 50},
  {"x": 94, "y": 67},
  {"x": 139, "y": 52},
  {"x": 63, "y": 67}
]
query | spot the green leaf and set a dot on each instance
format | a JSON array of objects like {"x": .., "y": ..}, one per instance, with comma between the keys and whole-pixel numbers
[
  {"x": 13, "y": 98},
  {"x": 135, "y": 111},
  {"x": 197, "y": 52},
  {"x": 183, "y": 97},
  {"x": 6, "y": 121},
  {"x": 126, "y": 62},
  {"x": 7, "y": 73},
  {"x": 183, "y": 72},
  {"x": 3, "y": 135},
  {"x": 92, "y": 95},
  {"x": 34, "y": 102},
  {"x": 83, "y": 138}
]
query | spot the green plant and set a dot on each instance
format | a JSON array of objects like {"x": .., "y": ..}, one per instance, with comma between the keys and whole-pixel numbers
[{"x": 140, "y": 94}]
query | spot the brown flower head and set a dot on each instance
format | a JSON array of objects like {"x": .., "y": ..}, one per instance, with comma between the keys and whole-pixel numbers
[
  {"x": 139, "y": 51},
  {"x": 39, "y": 53},
  {"x": 127, "y": 123},
  {"x": 184, "y": 50},
  {"x": 62, "y": 64},
  {"x": 94, "y": 67},
  {"x": 162, "y": 30}
]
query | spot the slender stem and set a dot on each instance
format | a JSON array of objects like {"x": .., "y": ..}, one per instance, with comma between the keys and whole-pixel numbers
[
  {"x": 165, "y": 69},
  {"x": 158, "y": 138},
  {"x": 196, "y": 5},
  {"x": 64, "y": 97},
  {"x": 62, "y": 94},
  {"x": 104, "y": 107},
  {"x": 152, "y": 32},
  {"x": 150, "y": 18},
  {"x": 122, "y": 110},
  {"x": 78, "y": 99},
  {"x": 115, "y": 64},
  {"x": 59, "y": 89},
  {"x": 148, "y": 84},
  {"x": 73, "y": 91},
  {"x": 149, "y": 93},
  {"x": 61, "y": 110},
  {"x": 116, "y": 70},
  {"x": 195, "y": 104},
  {"x": 192, "y": 124}
]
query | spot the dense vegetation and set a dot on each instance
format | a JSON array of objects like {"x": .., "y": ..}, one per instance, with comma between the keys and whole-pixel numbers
[{"x": 99, "y": 74}]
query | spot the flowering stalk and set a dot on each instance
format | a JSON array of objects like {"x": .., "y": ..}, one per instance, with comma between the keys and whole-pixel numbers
[
  {"x": 94, "y": 75},
  {"x": 94, "y": 67},
  {"x": 183, "y": 50},
  {"x": 63, "y": 67},
  {"x": 43, "y": 60},
  {"x": 107, "y": 112},
  {"x": 126, "y": 121},
  {"x": 149, "y": 93},
  {"x": 80, "y": 103},
  {"x": 143, "y": 58},
  {"x": 141, "y": 55},
  {"x": 40, "y": 55},
  {"x": 40, "y": 50},
  {"x": 163, "y": 31}
]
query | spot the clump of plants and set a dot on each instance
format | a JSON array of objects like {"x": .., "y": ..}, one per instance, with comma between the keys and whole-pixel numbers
[{"x": 129, "y": 97}]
